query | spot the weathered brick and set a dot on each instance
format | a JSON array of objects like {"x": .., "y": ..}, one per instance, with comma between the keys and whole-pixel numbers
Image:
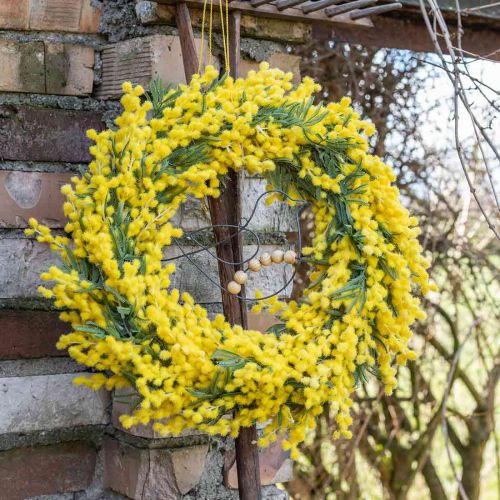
[
  {"x": 46, "y": 470},
  {"x": 47, "y": 402},
  {"x": 14, "y": 14},
  {"x": 275, "y": 466},
  {"x": 39, "y": 134},
  {"x": 139, "y": 60},
  {"x": 30, "y": 334},
  {"x": 256, "y": 27},
  {"x": 31, "y": 194},
  {"x": 23, "y": 66},
  {"x": 140, "y": 473},
  {"x": 21, "y": 262},
  {"x": 285, "y": 62},
  {"x": 64, "y": 15},
  {"x": 45, "y": 67},
  {"x": 69, "y": 69}
]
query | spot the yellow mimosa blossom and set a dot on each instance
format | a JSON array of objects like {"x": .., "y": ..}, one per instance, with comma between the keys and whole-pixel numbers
[{"x": 189, "y": 370}]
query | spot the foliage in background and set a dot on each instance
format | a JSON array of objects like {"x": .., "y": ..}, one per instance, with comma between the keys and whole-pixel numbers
[{"x": 435, "y": 437}]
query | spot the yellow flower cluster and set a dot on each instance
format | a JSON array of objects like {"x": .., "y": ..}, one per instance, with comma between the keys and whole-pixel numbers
[{"x": 190, "y": 370}]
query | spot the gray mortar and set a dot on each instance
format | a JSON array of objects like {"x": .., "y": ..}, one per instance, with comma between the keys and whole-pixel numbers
[
  {"x": 41, "y": 366},
  {"x": 90, "y": 433},
  {"x": 260, "y": 50},
  {"x": 183, "y": 441},
  {"x": 61, "y": 102},
  {"x": 119, "y": 20},
  {"x": 94, "y": 41},
  {"x": 28, "y": 304},
  {"x": 33, "y": 166}
]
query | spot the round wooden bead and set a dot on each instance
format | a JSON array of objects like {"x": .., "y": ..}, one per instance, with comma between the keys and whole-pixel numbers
[
  {"x": 254, "y": 265},
  {"x": 290, "y": 257},
  {"x": 234, "y": 288},
  {"x": 240, "y": 277},
  {"x": 265, "y": 259},
  {"x": 277, "y": 256}
]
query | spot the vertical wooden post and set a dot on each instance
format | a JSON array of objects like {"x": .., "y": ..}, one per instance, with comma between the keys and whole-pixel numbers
[{"x": 224, "y": 211}]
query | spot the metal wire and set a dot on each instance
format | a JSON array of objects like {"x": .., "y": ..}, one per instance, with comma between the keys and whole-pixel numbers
[{"x": 191, "y": 236}]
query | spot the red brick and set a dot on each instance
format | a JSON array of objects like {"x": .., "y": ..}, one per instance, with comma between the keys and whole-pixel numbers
[
  {"x": 78, "y": 16},
  {"x": 14, "y": 14},
  {"x": 30, "y": 334},
  {"x": 39, "y": 134},
  {"x": 32, "y": 194},
  {"x": 64, "y": 15},
  {"x": 46, "y": 470}
]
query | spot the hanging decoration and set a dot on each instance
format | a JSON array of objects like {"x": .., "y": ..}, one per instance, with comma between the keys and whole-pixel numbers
[
  {"x": 190, "y": 371},
  {"x": 186, "y": 370}
]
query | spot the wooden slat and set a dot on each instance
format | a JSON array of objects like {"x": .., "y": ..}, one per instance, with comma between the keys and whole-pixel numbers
[
  {"x": 314, "y": 6},
  {"x": 292, "y": 14},
  {"x": 348, "y": 7},
  {"x": 285, "y": 4},
  {"x": 375, "y": 11}
]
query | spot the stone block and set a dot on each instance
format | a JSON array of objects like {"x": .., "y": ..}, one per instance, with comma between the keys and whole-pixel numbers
[
  {"x": 141, "y": 473},
  {"x": 285, "y": 62},
  {"x": 139, "y": 60},
  {"x": 279, "y": 217},
  {"x": 46, "y": 470},
  {"x": 23, "y": 66},
  {"x": 124, "y": 401},
  {"x": 69, "y": 69},
  {"x": 188, "y": 276},
  {"x": 31, "y": 194},
  {"x": 261, "y": 321},
  {"x": 45, "y": 402},
  {"x": 30, "y": 334},
  {"x": 45, "y": 67},
  {"x": 275, "y": 466},
  {"x": 39, "y": 134},
  {"x": 78, "y": 16},
  {"x": 22, "y": 261},
  {"x": 14, "y": 14},
  {"x": 150, "y": 13}
]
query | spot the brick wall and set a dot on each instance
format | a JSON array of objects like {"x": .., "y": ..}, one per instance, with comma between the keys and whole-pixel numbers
[{"x": 62, "y": 63}]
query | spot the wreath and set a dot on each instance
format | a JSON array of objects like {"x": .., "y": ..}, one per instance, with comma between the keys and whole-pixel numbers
[{"x": 188, "y": 370}]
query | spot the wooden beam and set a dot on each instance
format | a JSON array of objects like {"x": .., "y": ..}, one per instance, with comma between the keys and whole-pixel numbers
[
  {"x": 388, "y": 29},
  {"x": 189, "y": 55}
]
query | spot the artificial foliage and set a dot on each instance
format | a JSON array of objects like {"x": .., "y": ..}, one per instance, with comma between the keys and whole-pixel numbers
[{"x": 190, "y": 371}]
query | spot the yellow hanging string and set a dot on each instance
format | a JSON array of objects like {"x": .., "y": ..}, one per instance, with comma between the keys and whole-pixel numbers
[
  {"x": 200, "y": 60},
  {"x": 210, "y": 32},
  {"x": 228, "y": 64},
  {"x": 224, "y": 18},
  {"x": 224, "y": 39}
]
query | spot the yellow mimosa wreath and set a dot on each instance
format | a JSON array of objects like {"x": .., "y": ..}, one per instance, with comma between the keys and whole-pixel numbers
[{"x": 188, "y": 370}]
